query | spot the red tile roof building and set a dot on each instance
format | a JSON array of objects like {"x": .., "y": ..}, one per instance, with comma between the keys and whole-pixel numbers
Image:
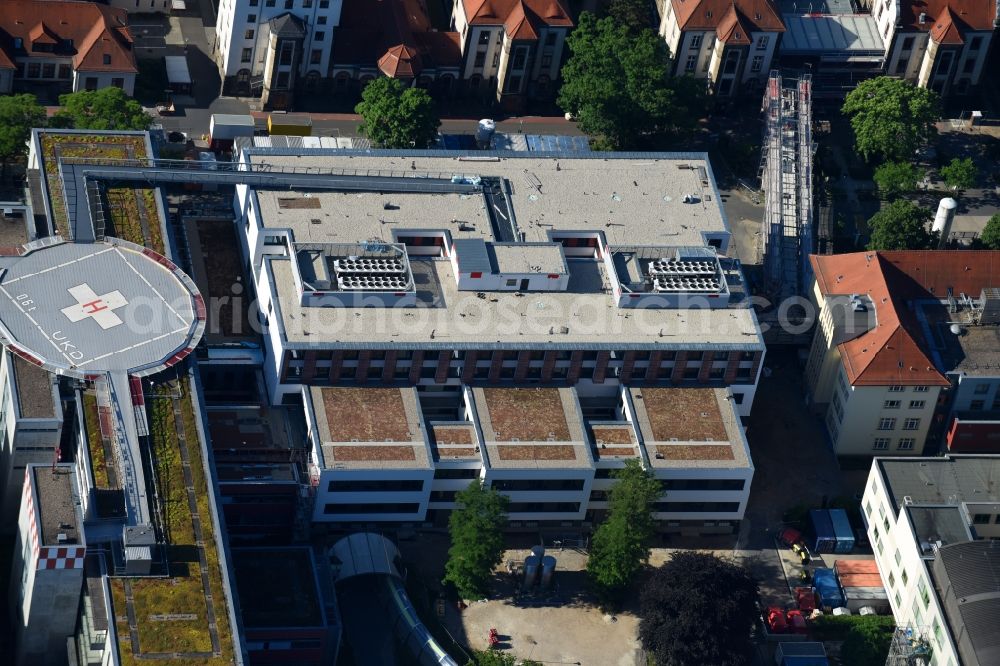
[
  {"x": 885, "y": 330},
  {"x": 729, "y": 43},
  {"x": 938, "y": 44},
  {"x": 512, "y": 49},
  {"x": 76, "y": 45}
]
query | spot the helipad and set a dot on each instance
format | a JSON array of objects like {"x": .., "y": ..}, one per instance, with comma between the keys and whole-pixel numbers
[{"x": 91, "y": 308}]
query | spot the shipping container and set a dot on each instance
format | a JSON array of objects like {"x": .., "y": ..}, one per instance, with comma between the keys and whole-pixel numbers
[
  {"x": 824, "y": 539},
  {"x": 842, "y": 531},
  {"x": 289, "y": 124},
  {"x": 807, "y": 653},
  {"x": 827, "y": 588},
  {"x": 857, "y": 598},
  {"x": 859, "y": 580}
]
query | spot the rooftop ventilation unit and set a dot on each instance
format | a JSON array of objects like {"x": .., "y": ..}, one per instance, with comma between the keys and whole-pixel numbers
[
  {"x": 677, "y": 285},
  {"x": 682, "y": 268},
  {"x": 368, "y": 265},
  {"x": 372, "y": 282}
]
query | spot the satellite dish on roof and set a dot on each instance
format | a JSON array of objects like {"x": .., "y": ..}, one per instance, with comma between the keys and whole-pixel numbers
[{"x": 956, "y": 329}]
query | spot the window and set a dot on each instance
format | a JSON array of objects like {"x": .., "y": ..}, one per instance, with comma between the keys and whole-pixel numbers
[
  {"x": 880, "y": 444},
  {"x": 307, "y": 4},
  {"x": 484, "y": 37},
  {"x": 868, "y": 509},
  {"x": 118, "y": 83},
  {"x": 480, "y": 59},
  {"x": 251, "y": 18},
  {"x": 248, "y": 34},
  {"x": 546, "y": 61},
  {"x": 695, "y": 41},
  {"x": 762, "y": 42},
  {"x": 321, "y": 20},
  {"x": 324, "y": 4},
  {"x": 514, "y": 84},
  {"x": 282, "y": 81},
  {"x": 18, "y": 43},
  {"x": 904, "y": 577},
  {"x": 520, "y": 57},
  {"x": 315, "y": 56},
  {"x": 49, "y": 70},
  {"x": 692, "y": 61},
  {"x": 253, "y": 3},
  {"x": 887, "y": 424},
  {"x": 911, "y": 424},
  {"x": 974, "y": 43},
  {"x": 921, "y": 389},
  {"x": 65, "y": 72},
  {"x": 269, "y": 3},
  {"x": 899, "y": 599},
  {"x": 901, "y": 65},
  {"x": 982, "y": 389},
  {"x": 916, "y": 404},
  {"x": 247, "y": 55},
  {"x": 981, "y": 519},
  {"x": 907, "y": 43},
  {"x": 897, "y": 556},
  {"x": 496, "y": 59},
  {"x": 550, "y": 39},
  {"x": 107, "y": 59},
  {"x": 924, "y": 594},
  {"x": 757, "y": 63},
  {"x": 892, "y": 579},
  {"x": 977, "y": 405},
  {"x": 969, "y": 66},
  {"x": 289, "y": 4},
  {"x": 906, "y": 444},
  {"x": 891, "y": 404},
  {"x": 319, "y": 36},
  {"x": 896, "y": 389},
  {"x": 90, "y": 83}
]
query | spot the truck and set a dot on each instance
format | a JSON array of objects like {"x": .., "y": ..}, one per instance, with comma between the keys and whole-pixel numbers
[{"x": 224, "y": 128}]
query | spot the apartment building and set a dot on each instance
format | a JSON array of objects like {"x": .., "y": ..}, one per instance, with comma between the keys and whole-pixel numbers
[
  {"x": 935, "y": 526},
  {"x": 512, "y": 50},
  {"x": 31, "y": 421},
  {"x": 414, "y": 286},
  {"x": 64, "y": 46},
  {"x": 937, "y": 44},
  {"x": 48, "y": 565},
  {"x": 728, "y": 44},
  {"x": 898, "y": 334},
  {"x": 272, "y": 48}
]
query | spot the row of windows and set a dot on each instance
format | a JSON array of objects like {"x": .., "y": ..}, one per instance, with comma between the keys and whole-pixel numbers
[
  {"x": 536, "y": 355},
  {"x": 513, "y": 485},
  {"x": 696, "y": 507},
  {"x": 895, "y": 404},
  {"x": 916, "y": 389},
  {"x": 371, "y": 485},
  {"x": 290, "y": 4},
  {"x": 883, "y": 443},
  {"x": 889, "y": 423}
]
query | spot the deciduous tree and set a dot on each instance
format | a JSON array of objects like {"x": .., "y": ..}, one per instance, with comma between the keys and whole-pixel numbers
[
  {"x": 894, "y": 178},
  {"x": 902, "y": 225},
  {"x": 18, "y": 115},
  {"x": 618, "y": 86},
  {"x": 698, "y": 609},
  {"x": 105, "y": 109},
  {"x": 397, "y": 116},
  {"x": 621, "y": 543},
  {"x": 891, "y": 117},
  {"x": 867, "y": 641},
  {"x": 990, "y": 238},
  {"x": 476, "y": 529},
  {"x": 636, "y": 15},
  {"x": 960, "y": 174}
]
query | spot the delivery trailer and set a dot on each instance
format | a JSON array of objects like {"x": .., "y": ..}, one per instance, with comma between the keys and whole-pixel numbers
[
  {"x": 178, "y": 75},
  {"x": 842, "y": 531},
  {"x": 224, "y": 128},
  {"x": 824, "y": 539}
]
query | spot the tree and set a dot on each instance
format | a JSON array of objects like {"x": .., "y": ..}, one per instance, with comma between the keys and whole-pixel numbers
[
  {"x": 894, "y": 178},
  {"x": 397, "y": 116},
  {"x": 621, "y": 543},
  {"x": 698, "y": 609},
  {"x": 105, "y": 109},
  {"x": 18, "y": 115},
  {"x": 960, "y": 174},
  {"x": 498, "y": 658},
  {"x": 636, "y": 15},
  {"x": 990, "y": 238},
  {"x": 902, "y": 225},
  {"x": 618, "y": 86},
  {"x": 891, "y": 117},
  {"x": 867, "y": 641},
  {"x": 476, "y": 529}
]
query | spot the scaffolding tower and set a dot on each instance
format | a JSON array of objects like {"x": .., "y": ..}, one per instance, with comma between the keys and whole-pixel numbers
[
  {"x": 786, "y": 179},
  {"x": 909, "y": 647}
]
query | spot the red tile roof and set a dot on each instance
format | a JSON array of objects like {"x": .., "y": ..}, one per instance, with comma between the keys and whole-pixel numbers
[
  {"x": 521, "y": 18},
  {"x": 394, "y": 34},
  {"x": 734, "y": 29},
  {"x": 948, "y": 20},
  {"x": 893, "y": 352},
  {"x": 761, "y": 15},
  {"x": 85, "y": 31}
]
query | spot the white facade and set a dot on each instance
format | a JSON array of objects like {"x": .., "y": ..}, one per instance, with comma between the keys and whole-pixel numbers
[
  {"x": 906, "y": 543},
  {"x": 98, "y": 80},
  {"x": 242, "y": 34}
]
